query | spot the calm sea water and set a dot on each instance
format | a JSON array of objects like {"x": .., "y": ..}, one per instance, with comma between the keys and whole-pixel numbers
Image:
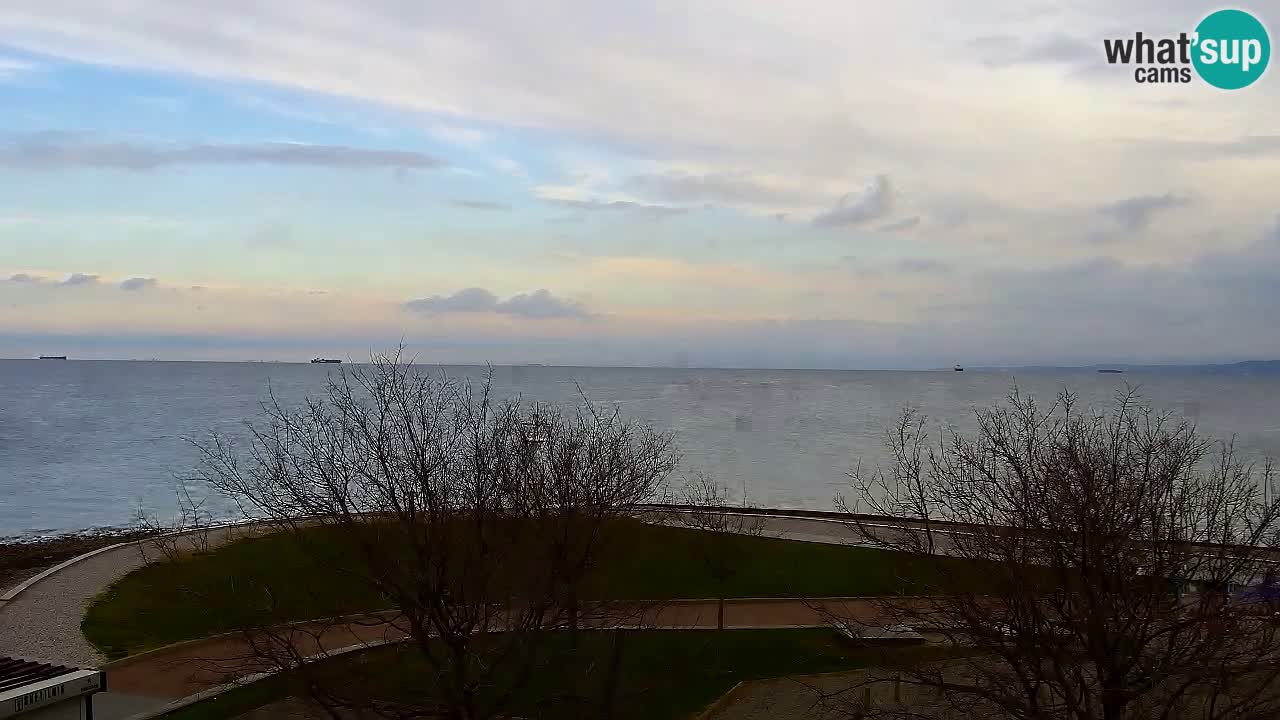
[{"x": 84, "y": 444}]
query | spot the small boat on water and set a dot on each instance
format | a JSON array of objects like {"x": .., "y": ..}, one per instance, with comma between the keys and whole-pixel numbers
[
  {"x": 958, "y": 369},
  {"x": 53, "y": 357},
  {"x": 325, "y": 360},
  {"x": 1109, "y": 370}
]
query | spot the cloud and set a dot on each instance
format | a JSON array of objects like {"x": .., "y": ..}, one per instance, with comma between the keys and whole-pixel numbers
[
  {"x": 24, "y": 278},
  {"x": 643, "y": 209},
  {"x": 75, "y": 279},
  {"x": 1135, "y": 213},
  {"x": 1252, "y": 145},
  {"x": 508, "y": 166},
  {"x": 272, "y": 235},
  {"x": 134, "y": 284},
  {"x": 58, "y": 151},
  {"x": 1208, "y": 308},
  {"x": 872, "y": 203},
  {"x": 11, "y": 68},
  {"x": 923, "y": 265},
  {"x": 468, "y": 300},
  {"x": 900, "y": 225},
  {"x": 461, "y": 136},
  {"x": 536, "y": 305},
  {"x": 732, "y": 188},
  {"x": 481, "y": 205},
  {"x": 1008, "y": 50}
]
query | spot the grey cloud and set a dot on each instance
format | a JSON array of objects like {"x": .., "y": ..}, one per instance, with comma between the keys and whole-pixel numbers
[
  {"x": 481, "y": 205},
  {"x": 683, "y": 187},
  {"x": 923, "y": 265},
  {"x": 900, "y": 225},
  {"x": 1008, "y": 50},
  {"x": 134, "y": 284},
  {"x": 538, "y": 304},
  {"x": 25, "y": 278},
  {"x": 1208, "y": 309},
  {"x": 655, "y": 211},
  {"x": 272, "y": 236},
  {"x": 1135, "y": 213},
  {"x": 75, "y": 279},
  {"x": 1260, "y": 147},
  {"x": 1247, "y": 146},
  {"x": 541, "y": 304},
  {"x": 469, "y": 300},
  {"x": 874, "y": 202},
  {"x": 58, "y": 151}
]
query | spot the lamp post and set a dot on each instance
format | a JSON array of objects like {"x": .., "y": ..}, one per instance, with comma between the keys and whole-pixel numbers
[{"x": 535, "y": 432}]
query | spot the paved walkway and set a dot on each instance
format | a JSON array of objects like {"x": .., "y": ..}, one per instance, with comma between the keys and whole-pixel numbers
[{"x": 43, "y": 622}]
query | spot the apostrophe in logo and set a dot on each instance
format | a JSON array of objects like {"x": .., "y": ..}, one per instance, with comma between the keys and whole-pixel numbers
[
  {"x": 1229, "y": 49},
  {"x": 1233, "y": 49}
]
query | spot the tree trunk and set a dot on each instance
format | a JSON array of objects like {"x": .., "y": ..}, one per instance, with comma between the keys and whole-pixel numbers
[{"x": 611, "y": 683}]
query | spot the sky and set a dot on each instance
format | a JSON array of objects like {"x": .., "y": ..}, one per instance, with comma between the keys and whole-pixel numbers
[{"x": 727, "y": 183}]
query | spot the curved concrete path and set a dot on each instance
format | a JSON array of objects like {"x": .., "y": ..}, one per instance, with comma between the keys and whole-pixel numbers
[{"x": 43, "y": 621}]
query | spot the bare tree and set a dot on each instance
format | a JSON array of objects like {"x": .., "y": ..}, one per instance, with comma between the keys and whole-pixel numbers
[
  {"x": 1086, "y": 564},
  {"x": 705, "y": 504},
  {"x": 475, "y": 520},
  {"x": 189, "y": 530}
]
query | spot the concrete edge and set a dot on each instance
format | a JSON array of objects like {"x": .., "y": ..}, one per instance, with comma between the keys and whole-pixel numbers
[
  {"x": 128, "y": 660},
  {"x": 138, "y": 656},
  {"x": 213, "y": 692},
  {"x": 209, "y": 693},
  {"x": 18, "y": 589},
  {"x": 723, "y": 701},
  {"x": 13, "y": 593},
  {"x": 146, "y": 654}
]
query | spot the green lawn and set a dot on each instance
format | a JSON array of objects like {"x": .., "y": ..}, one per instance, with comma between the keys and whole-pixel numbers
[
  {"x": 277, "y": 579},
  {"x": 663, "y": 674}
]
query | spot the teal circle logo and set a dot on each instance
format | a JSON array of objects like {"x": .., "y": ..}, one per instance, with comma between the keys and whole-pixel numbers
[{"x": 1231, "y": 49}]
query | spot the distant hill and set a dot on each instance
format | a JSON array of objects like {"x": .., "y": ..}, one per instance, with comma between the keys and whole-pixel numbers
[{"x": 1248, "y": 367}]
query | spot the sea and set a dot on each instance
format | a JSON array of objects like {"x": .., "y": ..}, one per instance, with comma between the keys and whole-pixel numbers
[{"x": 90, "y": 444}]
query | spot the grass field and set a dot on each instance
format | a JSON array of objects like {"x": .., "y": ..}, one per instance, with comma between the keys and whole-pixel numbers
[
  {"x": 276, "y": 579},
  {"x": 662, "y": 674}
]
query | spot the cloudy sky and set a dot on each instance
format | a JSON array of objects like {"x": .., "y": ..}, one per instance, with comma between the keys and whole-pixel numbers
[{"x": 817, "y": 183}]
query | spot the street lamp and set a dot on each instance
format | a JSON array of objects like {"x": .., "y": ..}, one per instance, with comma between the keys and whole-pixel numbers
[{"x": 535, "y": 430}]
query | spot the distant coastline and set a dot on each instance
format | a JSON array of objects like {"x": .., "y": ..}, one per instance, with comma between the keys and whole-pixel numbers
[{"x": 1247, "y": 367}]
